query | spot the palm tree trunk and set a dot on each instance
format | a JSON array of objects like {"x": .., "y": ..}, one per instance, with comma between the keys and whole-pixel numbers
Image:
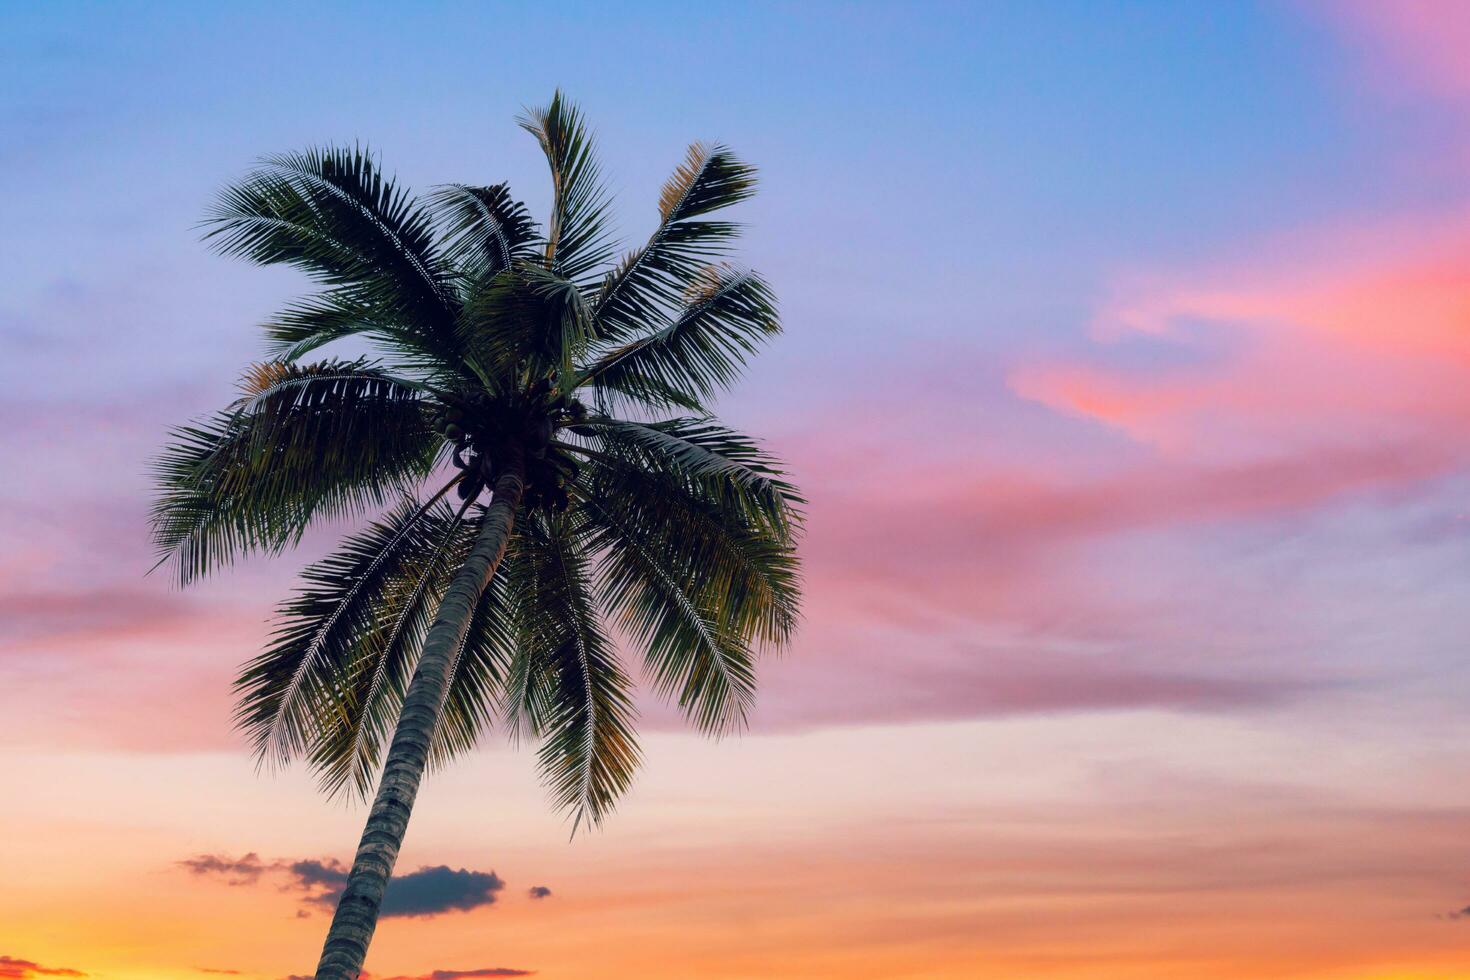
[{"x": 357, "y": 911}]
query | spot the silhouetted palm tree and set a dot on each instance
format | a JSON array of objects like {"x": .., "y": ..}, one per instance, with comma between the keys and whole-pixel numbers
[{"x": 528, "y": 367}]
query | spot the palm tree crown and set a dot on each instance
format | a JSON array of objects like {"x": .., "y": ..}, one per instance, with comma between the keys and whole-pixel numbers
[{"x": 495, "y": 347}]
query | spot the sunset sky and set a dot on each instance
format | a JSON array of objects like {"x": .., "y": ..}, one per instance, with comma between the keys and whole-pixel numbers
[{"x": 1126, "y": 369}]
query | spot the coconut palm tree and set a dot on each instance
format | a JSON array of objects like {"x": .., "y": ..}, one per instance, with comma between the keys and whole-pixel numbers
[{"x": 522, "y": 416}]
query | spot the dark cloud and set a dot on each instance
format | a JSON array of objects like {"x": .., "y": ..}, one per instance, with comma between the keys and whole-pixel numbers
[
  {"x": 486, "y": 971},
  {"x": 18, "y": 969},
  {"x": 1463, "y": 913},
  {"x": 310, "y": 874},
  {"x": 539, "y": 891},
  {"x": 425, "y": 892},
  {"x": 430, "y": 891},
  {"x": 237, "y": 871}
]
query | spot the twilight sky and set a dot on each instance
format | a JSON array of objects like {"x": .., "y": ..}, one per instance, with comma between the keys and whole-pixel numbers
[{"x": 1127, "y": 369}]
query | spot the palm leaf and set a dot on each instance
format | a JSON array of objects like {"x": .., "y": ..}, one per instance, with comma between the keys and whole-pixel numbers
[
  {"x": 528, "y": 321},
  {"x": 701, "y": 350},
  {"x": 650, "y": 281},
  {"x": 692, "y": 652},
  {"x": 331, "y": 213},
  {"x": 333, "y": 632},
  {"x": 577, "y": 239},
  {"x": 746, "y": 562},
  {"x": 566, "y": 685},
  {"x": 323, "y": 440},
  {"x": 318, "y": 320},
  {"x": 729, "y": 466},
  {"x": 484, "y": 230},
  {"x": 352, "y": 733}
]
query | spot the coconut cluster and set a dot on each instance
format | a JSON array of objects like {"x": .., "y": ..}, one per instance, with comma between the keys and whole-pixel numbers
[{"x": 484, "y": 431}]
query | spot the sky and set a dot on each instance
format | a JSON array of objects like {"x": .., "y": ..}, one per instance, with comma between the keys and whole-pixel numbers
[{"x": 1124, "y": 367}]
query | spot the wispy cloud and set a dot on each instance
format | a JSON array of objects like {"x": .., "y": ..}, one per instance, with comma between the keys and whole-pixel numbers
[
  {"x": 1416, "y": 44},
  {"x": 244, "y": 870},
  {"x": 15, "y": 968}
]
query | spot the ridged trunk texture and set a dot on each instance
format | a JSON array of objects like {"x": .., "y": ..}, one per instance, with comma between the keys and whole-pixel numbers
[{"x": 357, "y": 911}]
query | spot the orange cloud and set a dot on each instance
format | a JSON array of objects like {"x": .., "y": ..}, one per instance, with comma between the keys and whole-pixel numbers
[{"x": 11, "y": 966}]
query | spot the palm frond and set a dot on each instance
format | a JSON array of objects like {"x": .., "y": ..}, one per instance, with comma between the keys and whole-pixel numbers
[
  {"x": 696, "y": 529},
  {"x": 728, "y": 466},
  {"x": 578, "y": 239},
  {"x": 694, "y": 654},
  {"x": 701, "y": 350},
  {"x": 331, "y": 213},
  {"x": 650, "y": 281},
  {"x": 612, "y": 393},
  {"x": 745, "y": 560},
  {"x": 323, "y": 440},
  {"x": 353, "y": 727},
  {"x": 483, "y": 229},
  {"x": 528, "y": 320},
  {"x": 566, "y": 685},
  {"x": 335, "y": 631},
  {"x": 318, "y": 320}
]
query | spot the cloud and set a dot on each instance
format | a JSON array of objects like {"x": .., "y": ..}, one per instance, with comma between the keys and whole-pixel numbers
[
  {"x": 1122, "y": 560},
  {"x": 132, "y": 679},
  {"x": 310, "y": 873},
  {"x": 1422, "y": 42},
  {"x": 539, "y": 892},
  {"x": 13, "y": 968},
  {"x": 236, "y": 871},
  {"x": 425, "y": 892},
  {"x": 1007, "y": 682},
  {"x": 1009, "y": 513},
  {"x": 434, "y": 890},
  {"x": 429, "y": 891},
  {"x": 1336, "y": 337},
  {"x": 487, "y": 971},
  {"x": 61, "y": 617},
  {"x": 1463, "y": 913}
]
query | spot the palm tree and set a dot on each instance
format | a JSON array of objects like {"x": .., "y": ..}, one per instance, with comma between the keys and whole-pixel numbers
[{"x": 525, "y": 417}]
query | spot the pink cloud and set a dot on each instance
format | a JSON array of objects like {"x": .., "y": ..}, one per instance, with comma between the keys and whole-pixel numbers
[
  {"x": 960, "y": 681},
  {"x": 1326, "y": 348},
  {"x": 952, "y": 574},
  {"x": 29, "y": 617},
  {"x": 1420, "y": 40},
  {"x": 134, "y": 671}
]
